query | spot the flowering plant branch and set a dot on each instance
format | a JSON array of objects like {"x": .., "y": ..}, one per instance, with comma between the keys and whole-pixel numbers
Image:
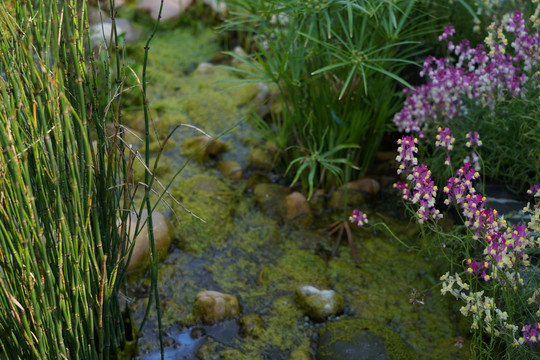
[{"x": 494, "y": 253}]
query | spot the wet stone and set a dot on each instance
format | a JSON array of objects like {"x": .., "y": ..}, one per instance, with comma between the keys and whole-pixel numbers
[
  {"x": 171, "y": 8},
  {"x": 211, "y": 306},
  {"x": 100, "y": 32},
  {"x": 203, "y": 147},
  {"x": 354, "y": 193},
  {"x": 230, "y": 169},
  {"x": 318, "y": 304}
]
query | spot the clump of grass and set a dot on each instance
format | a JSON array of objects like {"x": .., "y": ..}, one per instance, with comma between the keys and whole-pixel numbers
[
  {"x": 337, "y": 65},
  {"x": 62, "y": 254}
]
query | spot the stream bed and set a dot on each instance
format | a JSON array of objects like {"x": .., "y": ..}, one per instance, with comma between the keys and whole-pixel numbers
[{"x": 249, "y": 249}]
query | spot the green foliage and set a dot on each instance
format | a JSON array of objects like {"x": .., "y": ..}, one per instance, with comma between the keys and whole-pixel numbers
[
  {"x": 64, "y": 201},
  {"x": 510, "y": 134},
  {"x": 337, "y": 65}
]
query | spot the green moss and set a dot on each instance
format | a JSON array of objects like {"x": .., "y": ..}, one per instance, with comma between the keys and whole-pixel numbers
[
  {"x": 139, "y": 169},
  {"x": 299, "y": 267},
  {"x": 211, "y": 200}
]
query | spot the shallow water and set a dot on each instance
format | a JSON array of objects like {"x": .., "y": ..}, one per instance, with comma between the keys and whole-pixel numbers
[{"x": 250, "y": 252}]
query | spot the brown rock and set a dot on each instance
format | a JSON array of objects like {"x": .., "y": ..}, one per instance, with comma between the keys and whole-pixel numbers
[
  {"x": 296, "y": 209},
  {"x": 212, "y": 306}
]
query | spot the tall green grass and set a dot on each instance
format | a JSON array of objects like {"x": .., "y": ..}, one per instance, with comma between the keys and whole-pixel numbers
[
  {"x": 338, "y": 67},
  {"x": 62, "y": 253}
]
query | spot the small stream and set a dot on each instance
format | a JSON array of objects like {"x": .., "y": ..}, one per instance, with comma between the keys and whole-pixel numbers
[{"x": 249, "y": 250}]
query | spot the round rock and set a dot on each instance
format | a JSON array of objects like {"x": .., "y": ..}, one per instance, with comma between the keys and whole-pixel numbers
[
  {"x": 296, "y": 209},
  {"x": 318, "y": 304},
  {"x": 211, "y": 306},
  {"x": 141, "y": 248}
]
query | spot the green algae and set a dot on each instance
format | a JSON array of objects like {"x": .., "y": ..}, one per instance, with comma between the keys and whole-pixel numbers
[
  {"x": 298, "y": 267},
  {"x": 213, "y": 201}
]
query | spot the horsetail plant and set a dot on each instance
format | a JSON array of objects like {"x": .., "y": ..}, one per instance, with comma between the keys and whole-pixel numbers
[{"x": 63, "y": 251}]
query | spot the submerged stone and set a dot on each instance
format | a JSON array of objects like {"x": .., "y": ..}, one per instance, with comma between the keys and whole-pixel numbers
[
  {"x": 354, "y": 193},
  {"x": 359, "y": 339},
  {"x": 211, "y": 306},
  {"x": 230, "y": 169},
  {"x": 202, "y": 147},
  {"x": 318, "y": 304},
  {"x": 270, "y": 197}
]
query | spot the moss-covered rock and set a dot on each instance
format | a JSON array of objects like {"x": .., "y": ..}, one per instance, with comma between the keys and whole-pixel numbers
[
  {"x": 230, "y": 169},
  {"x": 203, "y": 147},
  {"x": 318, "y": 304},
  {"x": 212, "y": 306},
  {"x": 359, "y": 339}
]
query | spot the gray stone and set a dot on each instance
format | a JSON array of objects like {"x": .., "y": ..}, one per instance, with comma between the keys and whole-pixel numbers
[{"x": 100, "y": 33}]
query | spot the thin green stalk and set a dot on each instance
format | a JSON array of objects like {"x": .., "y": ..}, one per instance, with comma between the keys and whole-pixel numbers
[{"x": 148, "y": 182}]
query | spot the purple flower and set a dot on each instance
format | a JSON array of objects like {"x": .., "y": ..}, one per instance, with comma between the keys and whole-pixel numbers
[
  {"x": 448, "y": 31},
  {"x": 358, "y": 217},
  {"x": 473, "y": 138},
  {"x": 444, "y": 138},
  {"x": 406, "y": 150},
  {"x": 486, "y": 73},
  {"x": 534, "y": 190}
]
